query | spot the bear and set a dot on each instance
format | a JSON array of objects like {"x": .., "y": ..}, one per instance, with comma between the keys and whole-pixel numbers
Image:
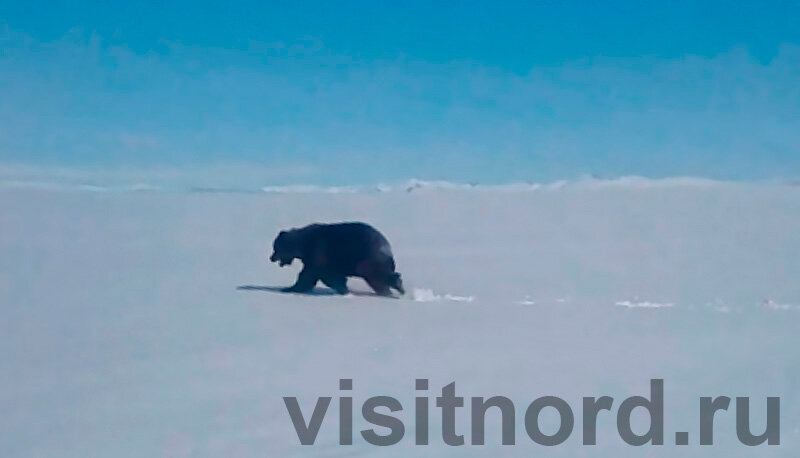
[{"x": 333, "y": 252}]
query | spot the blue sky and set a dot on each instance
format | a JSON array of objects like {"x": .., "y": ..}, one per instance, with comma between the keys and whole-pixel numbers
[{"x": 360, "y": 92}]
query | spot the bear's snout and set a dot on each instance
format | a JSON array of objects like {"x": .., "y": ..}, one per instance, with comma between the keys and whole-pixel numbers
[{"x": 282, "y": 261}]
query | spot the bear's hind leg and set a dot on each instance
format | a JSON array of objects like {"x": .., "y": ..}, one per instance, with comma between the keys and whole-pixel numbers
[
  {"x": 337, "y": 283},
  {"x": 380, "y": 285},
  {"x": 396, "y": 282}
]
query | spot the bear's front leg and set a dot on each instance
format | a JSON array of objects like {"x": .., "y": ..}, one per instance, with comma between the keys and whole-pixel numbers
[{"x": 305, "y": 281}]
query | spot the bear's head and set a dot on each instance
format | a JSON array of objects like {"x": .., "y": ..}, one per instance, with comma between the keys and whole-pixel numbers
[{"x": 285, "y": 248}]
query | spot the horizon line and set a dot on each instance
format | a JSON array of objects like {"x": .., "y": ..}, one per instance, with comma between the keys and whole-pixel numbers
[{"x": 56, "y": 182}]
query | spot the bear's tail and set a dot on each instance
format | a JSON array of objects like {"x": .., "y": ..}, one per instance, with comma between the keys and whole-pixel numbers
[{"x": 396, "y": 282}]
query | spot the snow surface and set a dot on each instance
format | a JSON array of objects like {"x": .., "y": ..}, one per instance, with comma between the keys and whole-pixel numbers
[{"x": 146, "y": 323}]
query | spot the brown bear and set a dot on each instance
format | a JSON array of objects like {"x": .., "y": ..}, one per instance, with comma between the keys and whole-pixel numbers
[{"x": 333, "y": 252}]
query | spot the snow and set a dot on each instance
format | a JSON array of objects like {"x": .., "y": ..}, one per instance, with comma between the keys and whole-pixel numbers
[
  {"x": 644, "y": 304},
  {"x": 148, "y": 323},
  {"x": 426, "y": 295}
]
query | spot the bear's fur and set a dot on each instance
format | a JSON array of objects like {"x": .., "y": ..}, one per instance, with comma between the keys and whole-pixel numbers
[{"x": 333, "y": 252}]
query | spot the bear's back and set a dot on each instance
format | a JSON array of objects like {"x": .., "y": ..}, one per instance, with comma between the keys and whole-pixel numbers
[{"x": 347, "y": 244}]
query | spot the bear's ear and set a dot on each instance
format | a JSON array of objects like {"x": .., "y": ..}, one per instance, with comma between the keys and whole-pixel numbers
[{"x": 281, "y": 232}]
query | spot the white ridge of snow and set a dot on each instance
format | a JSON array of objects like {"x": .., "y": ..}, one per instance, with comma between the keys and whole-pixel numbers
[
  {"x": 414, "y": 184},
  {"x": 290, "y": 189},
  {"x": 639, "y": 182},
  {"x": 453, "y": 298},
  {"x": 427, "y": 295},
  {"x": 772, "y": 305},
  {"x": 409, "y": 186},
  {"x": 424, "y": 295},
  {"x": 643, "y": 304}
]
